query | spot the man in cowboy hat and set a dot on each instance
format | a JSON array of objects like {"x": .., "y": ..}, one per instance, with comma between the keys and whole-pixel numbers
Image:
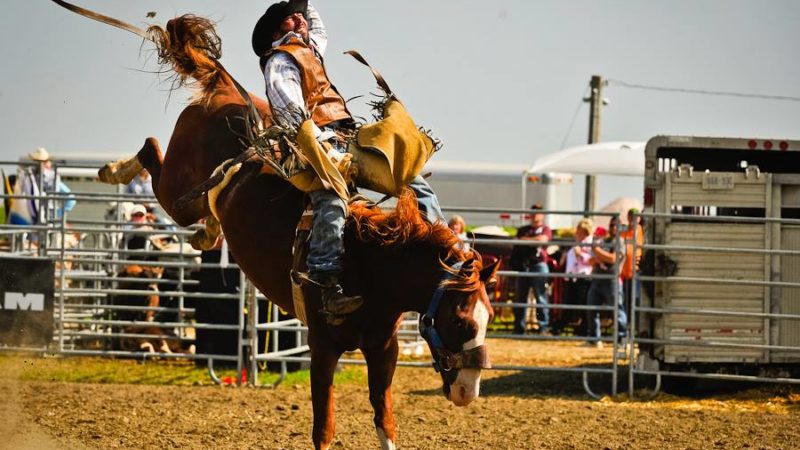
[
  {"x": 28, "y": 184},
  {"x": 290, "y": 40}
]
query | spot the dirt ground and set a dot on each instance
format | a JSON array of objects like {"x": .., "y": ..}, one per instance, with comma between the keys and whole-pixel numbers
[{"x": 516, "y": 410}]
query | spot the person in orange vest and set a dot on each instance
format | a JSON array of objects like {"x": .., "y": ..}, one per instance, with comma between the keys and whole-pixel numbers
[{"x": 631, "y": 264}]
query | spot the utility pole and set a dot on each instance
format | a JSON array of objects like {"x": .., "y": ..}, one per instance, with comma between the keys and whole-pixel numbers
[{"x": 595, "y": 107}]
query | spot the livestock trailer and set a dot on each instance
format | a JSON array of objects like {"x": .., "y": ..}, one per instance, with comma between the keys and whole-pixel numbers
[{"x": 721, "y": 269}]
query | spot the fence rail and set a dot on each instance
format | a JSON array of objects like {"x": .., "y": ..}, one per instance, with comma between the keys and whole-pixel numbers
[{"x": 100, "y": 310}]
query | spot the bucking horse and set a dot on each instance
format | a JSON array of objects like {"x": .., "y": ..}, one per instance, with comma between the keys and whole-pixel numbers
[{"x": 396, "y": 261}]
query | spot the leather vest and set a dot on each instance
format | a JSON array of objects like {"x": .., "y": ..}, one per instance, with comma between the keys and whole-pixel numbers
[{"x": 322, "y": 100}]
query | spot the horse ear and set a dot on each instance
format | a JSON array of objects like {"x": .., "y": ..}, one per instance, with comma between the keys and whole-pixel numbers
[{"x": 488, "y": 272}]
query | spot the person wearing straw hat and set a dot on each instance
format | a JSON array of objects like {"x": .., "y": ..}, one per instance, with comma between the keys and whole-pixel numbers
[
  {"x": 35, "y": 180},
  {"x": 51, "y": 183}
]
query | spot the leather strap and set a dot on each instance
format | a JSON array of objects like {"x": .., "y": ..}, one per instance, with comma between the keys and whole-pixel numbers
[
  {"x": 105, "y": 19},
  {"x": 378, "y": 77}
]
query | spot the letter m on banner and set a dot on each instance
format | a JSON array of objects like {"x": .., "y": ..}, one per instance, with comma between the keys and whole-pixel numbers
[{"x": 18, "y": 300}]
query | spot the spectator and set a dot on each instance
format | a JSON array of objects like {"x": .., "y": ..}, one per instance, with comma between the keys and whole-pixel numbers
[
  {"x": 601, "y": 291},
  {"x": 577, "y": 260},
  {"x": 27, "y": 211},
  {"x": 631, "y": 265},
  {"x": 142, "y": 184},
  {"x": 459, "y": 227},
  {"x": 532, "y": 259},
  {"x": 140, "y": 220}
]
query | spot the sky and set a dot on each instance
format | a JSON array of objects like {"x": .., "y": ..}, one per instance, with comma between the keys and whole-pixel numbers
[{"x": 496, "y": 81}]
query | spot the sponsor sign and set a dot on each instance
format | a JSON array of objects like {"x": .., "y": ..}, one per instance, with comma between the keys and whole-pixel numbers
[{"x": 26, "y": 301}]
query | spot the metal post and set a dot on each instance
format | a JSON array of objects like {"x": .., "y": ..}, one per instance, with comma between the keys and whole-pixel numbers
[
  {"x": 241, "y": 342},
  {"x": 180, "y": 287},
  {"x": 41, "y": 205},
  {"x": 595, "y": 102},
  {"x": 62, "y": 280},
  {"x": 252, "y": 334},
  {"x": 616, "y": 294},
  {"x": 632, "y": 318}
]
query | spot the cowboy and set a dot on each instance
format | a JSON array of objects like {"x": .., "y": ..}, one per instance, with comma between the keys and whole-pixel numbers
[{"x": 290, "y": 40}]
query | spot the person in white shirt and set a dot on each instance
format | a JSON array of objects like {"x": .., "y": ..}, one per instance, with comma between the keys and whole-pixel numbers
[{"x": 576, "y": 261}]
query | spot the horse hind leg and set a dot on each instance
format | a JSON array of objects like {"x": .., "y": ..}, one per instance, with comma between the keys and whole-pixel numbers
[{"x": 124, "y": 170}]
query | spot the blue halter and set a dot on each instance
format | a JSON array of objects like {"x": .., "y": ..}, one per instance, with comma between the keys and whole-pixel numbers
[
  {"x": 444, "y": 360},
  {"x": 426, "y": 321}
]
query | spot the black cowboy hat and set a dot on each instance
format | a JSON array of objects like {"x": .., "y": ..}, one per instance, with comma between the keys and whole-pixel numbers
[{"x": 269, "y": 22}]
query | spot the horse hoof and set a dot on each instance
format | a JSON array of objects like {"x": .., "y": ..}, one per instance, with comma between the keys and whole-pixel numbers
[{"x": 105, "y": 174}]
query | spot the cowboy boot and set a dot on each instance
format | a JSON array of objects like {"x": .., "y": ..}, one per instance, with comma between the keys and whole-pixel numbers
[{"x": 334, "y": 301}]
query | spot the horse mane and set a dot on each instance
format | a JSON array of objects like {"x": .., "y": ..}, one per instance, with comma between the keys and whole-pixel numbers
[
  {"x": 406, "y": 225},
  {"x": 191, "y": 46}
]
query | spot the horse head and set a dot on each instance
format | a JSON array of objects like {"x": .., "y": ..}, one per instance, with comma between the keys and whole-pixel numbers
[{"x": 455, "y": 328}]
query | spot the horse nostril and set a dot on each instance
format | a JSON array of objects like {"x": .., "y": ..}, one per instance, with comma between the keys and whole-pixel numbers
[{"x": 463, "y": 391}]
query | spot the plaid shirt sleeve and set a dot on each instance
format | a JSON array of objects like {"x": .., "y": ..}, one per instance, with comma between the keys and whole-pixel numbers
[
  {"x": 316, "y": 29},
  {"x": 283, "y": 83}
]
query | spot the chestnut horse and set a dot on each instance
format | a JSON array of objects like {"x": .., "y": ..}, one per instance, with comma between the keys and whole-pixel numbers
[{"x": 398, "y": 262}]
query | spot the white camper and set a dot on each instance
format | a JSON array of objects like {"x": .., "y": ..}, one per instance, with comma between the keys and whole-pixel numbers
[{"x": 495, "y": 185}]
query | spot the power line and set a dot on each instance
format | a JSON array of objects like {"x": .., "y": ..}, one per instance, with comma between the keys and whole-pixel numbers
[
  {"x": 625, "y": 84},
  {"x": 574, "y": 116}
]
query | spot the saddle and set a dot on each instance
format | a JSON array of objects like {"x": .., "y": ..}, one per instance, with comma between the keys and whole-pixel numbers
[{"x": 298, "y": 275}]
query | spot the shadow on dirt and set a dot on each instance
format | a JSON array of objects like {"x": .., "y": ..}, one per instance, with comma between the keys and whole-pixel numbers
[{"x": 569, "y": 385}]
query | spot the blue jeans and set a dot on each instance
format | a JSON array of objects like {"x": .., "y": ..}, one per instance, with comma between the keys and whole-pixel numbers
[
  {"x": 540, "y": 288},
  {"x": 601, "y": 292},
  {"x": 427, "y": 201},
  {"x": 326, "y": 248}
]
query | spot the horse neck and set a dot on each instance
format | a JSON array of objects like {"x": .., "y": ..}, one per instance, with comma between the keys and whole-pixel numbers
[{"x": 412, "y": 270}]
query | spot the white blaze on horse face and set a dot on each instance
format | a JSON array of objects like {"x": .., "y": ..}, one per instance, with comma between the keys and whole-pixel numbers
[
  {"x": 386, "y": 443},
  {"x": 467, "y": 386}
]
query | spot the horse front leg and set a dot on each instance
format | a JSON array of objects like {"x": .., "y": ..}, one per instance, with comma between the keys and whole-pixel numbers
[
  {"x": 323, "y": 365},
  {"x": 381, "y": 363}
]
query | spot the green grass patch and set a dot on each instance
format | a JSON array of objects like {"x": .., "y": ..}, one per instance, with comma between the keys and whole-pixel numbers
[{"x": 153, "y": 372}]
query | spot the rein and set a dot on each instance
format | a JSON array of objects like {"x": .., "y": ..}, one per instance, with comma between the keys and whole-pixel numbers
[{"x": 445, "y": 360}]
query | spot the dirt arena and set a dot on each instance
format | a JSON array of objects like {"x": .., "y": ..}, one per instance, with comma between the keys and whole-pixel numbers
[{"x": 517, "y": 410}]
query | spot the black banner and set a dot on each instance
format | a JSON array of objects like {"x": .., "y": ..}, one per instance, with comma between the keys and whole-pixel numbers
[{"x": 26, "y": 301}]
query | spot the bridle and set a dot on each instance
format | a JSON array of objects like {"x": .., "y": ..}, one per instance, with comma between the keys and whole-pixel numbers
[{"x": 445, "y": 360}]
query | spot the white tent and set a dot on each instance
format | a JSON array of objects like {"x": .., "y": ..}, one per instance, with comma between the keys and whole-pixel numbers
[{"x": 605, "y": 158}]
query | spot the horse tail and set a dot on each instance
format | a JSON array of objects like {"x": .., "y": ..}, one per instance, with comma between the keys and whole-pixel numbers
[{"x": 191, "y": 46}]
